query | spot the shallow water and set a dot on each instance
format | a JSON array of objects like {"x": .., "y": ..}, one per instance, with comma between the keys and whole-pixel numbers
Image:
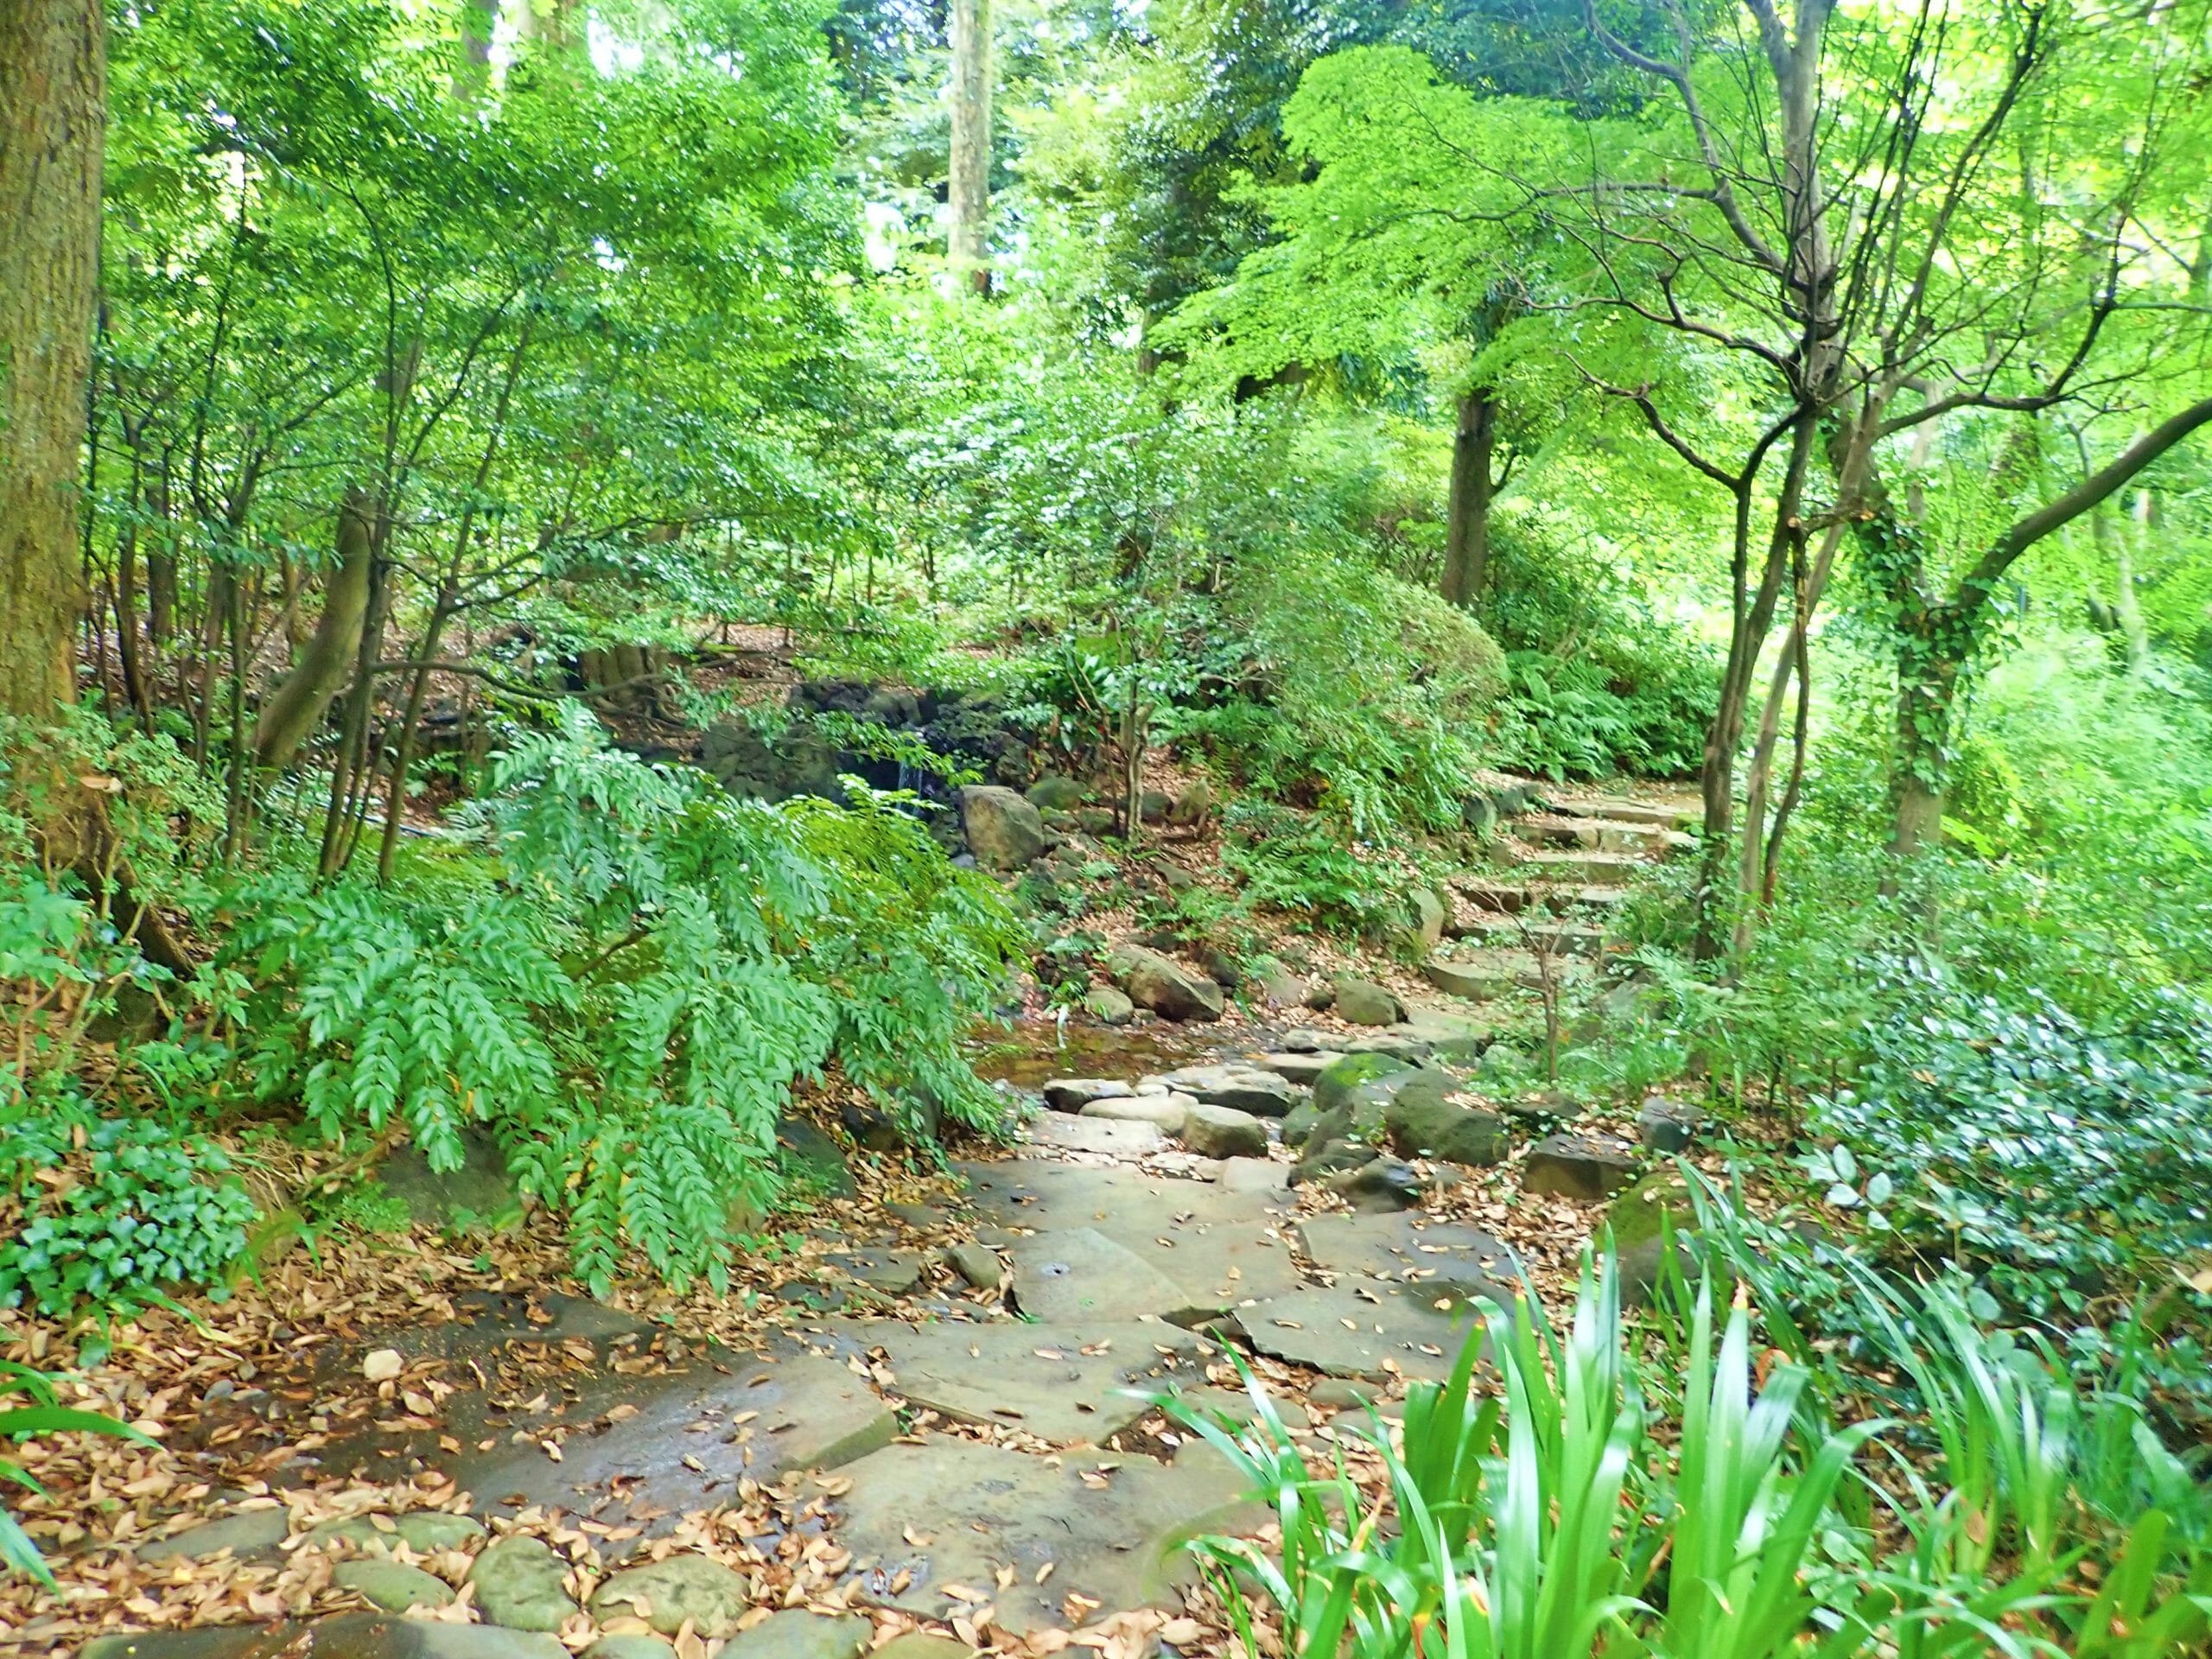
[{"x": 1034, "y": 1050}]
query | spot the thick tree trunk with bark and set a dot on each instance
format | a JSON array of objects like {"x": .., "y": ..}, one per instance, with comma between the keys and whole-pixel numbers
[
  {"x": 1466, "y": 530},
  {"x": 968, "y": 188},
  {"x": 53, "y": 114}
]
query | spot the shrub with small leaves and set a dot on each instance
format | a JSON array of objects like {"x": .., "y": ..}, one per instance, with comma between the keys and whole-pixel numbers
[{"x": 152, "y": 1210}]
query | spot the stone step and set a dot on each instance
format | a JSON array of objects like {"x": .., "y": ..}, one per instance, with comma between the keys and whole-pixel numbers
[
  {"x": 1665, "y": 814},
  {"x": 1480, "y": 974},
  {"x": 1580, "y": 866},
  {"x": 1604, "y": 835},
  {"x": 1512, "y": 897},
  {"x": 1561, "y": 937}
]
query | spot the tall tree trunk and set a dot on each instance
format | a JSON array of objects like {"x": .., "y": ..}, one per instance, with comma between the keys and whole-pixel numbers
[
  {"x": 1466, "y": 528},
  {"x": 968, "y": 187},
  {"x": 160, "y": 568},
  {"x": 1928, "y": 685},
  {"x": 471, "y": 76},
  {"x": 297, "y": 707},
  {"x": 2128, "y": 604},
  {"x": 53, "y": 115}
]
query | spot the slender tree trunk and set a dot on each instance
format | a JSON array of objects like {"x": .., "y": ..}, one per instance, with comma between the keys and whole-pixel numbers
[
  {"x": 2128, "y": 604},
  {"x": 471, "y": 76},
  {"x": 160, "y": 570},
  {"x": 968, "y": 188},
  {"x": 1466, "y": 530},
  {"x": 53, "y": 116},
  {"x": 297, "y": 707},
  {"x": 1928, "y": 687}
]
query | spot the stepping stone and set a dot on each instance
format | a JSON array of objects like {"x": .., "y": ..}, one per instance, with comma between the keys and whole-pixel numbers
[
  {"x": 1165, "y": 1112},
  {"x": 893, "y": 1273},
  {"x": 1480, "y": 974},
  {"x": 1458, "y": 1261},
  {"x": 1254, "y": 1175},
  {"x": 1062, "y": 1383},
  {"x": 1073, "y": 1094},
  {"x": 1597, "y": 869},
  {"x": 1379, "y": 1184},
  {"x": 1246, "y": 1088},
  {"x": 520, "y": 1584},
  {"x": 1237, "y": 1408},
  {"x": 1219, "y": 1247},
  {"x": 392, "y": 1585},
  {"x": 244, "y": 1532},
  {"x": 347, "y": 1636},
  {"x": 1094, "y": 1135},
  {"x": 1589, "y": 1166},
  {"x": 1669, "y": 1126},
  {"x": 980, "y": 1508},
  {"x": 1223, "y": 1132},
  {"x": 630, "y": 1646},
  {"x": 1361, "y": 1328},
  {"x": 1296, "y": 1068},
  {"x": 424, "y": 1531},
  {"x": 811, "y": 1414},
  {"x": 917, "y": 1644},
  {"x": 683, "y": 1589},
  {"x": 978, "y": 1264},
  {"x": 1666, "y": 815},
  {"x": 1080, "y": 1275},
  {"x": 796, "y": 1633},
  {"x": 1306, "y": 1040}
]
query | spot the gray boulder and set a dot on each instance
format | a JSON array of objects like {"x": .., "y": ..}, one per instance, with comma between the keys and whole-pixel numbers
[
  {"x": 1379, "y": 1184},
  {"x": 1588, "y": 1167},
  {"x": 1337, "y": 1081},
  {"x": 665, "y": 1594},
  {"x": 1004, "y": 831},
  {"x": 1223, "y": 1132},
  {"x": 520, "y": 1584},
  {"x": 1053, "y": 793},
  {"x": 1364, "y": 1002},
  {"x": 1248, "y": 1087},
  {"x": 1110, "y": 1006},
  {"x": 1422, "y": 1121},
  {"x": 1073, "y": 1094},
  {"x": 1669, "y": 1126},
  {"x": 1163, "y": 985},
  {"x": 1166, "y": 1112}
]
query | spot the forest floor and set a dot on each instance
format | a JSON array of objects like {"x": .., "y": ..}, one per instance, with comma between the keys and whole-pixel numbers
[{"x": 923, "y": 1416}]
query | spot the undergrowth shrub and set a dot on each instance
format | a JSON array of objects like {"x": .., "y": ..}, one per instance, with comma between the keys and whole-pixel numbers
[
  {"x": 629, "y": 998},
  {"x": 1302, "y": 864}
]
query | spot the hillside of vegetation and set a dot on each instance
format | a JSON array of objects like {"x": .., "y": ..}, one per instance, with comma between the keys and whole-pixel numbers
[{"x": 851, "y": 698}]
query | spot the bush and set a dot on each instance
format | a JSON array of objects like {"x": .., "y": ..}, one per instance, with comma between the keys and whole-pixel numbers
[
  {"x": 628, "y": 998},
  {"x": 1303, "y": 864},
  {"x": 151, "y": 1211}
]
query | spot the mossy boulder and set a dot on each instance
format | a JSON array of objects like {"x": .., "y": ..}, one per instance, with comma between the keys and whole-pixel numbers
[
  {"x": 1640, "y": 1218},
  {"x": 1334, "y": 1087}
]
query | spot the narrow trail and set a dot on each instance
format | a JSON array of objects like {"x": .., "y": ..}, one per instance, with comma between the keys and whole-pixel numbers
[{"x": 942, "y": 1437}]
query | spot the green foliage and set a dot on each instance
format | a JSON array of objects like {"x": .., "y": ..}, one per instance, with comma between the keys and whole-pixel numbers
[
  {"x": 629, "y": 1004},
  {"x": 44, "y": 1415},
  {"x": 1302, "y": 864},
  {"x": 150, "y": 1212}
]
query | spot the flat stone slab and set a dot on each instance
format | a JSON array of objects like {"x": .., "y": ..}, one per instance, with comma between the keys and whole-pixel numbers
[
  {"x": 1062, "y": 1383},
  {"x": 1247, "y": 1088},
  {"x": 1297, "y": 1068},
  {"x": 1222, "y": 1246},
  {"x": 1407, "y": 1250},
  {"x": 1361, "y": 1328},
  {"x": 243, "y": 1532},
  {"x": 1164, "y": 1112},
  {"x": 1072, "y": 1094},
  {"x": 810, "y": 1413},
  {"x": 921, "y": 1519},
  {"x": 1254, "y": 1175},
  {"x": 1077, "y": 1274},
  {"x": 1072, "y": 1133},
  {"x": 893, "y": 1273}
]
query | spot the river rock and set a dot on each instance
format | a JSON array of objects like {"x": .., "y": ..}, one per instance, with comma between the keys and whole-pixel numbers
[
  {"x": 1334, "y": 1087},
  {"x": 243, "y": 1532},
  {"x": 1363, "y": 1002},
  {"x": 1588, "y": 1167},
  {"x": 1163, "y": 985},
  {"x": 1166, "y": 1111},
  {"x": 1053, "y": 793},
  {"x": 1223, "y": 1132},
  {"x": 1669, "y": 1126},
  {"x": 1430, "y": 914},
  {"x": 1254, "y": 1175},
  {"x": 391, "y": 1585},
  {"x": 1422, "y": 1122},
  {"x": 1247, "y": 1088},
  {"x": 1110, "y": 1005},
  {"x": 520, "y": 1584},
  {"x": 1380, "y": 1184},
  {"x": 796, "y": 1633},
  {"x": 1004, "y": 831},
  {"x": 667, "y": 1594},
  {"x": 631, "y": 1645},
  {"x": 1073, "y": 1094},
  {"x": 978, "y": 1264}
]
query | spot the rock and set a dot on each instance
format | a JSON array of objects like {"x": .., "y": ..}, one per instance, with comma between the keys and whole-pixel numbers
[
  {"x": 1053, "y": 793},
  {"x": 1504, "y": 1064},
  {"x": 1095, "y": 1133},
  {"x": 1422, "y": 1121},
  {"x": 1236, "y": 1409},
  {"x": 1335, "y": 1086},
  {"x": 1081, "y": 1274},
  {"x": 1379, "y": 1184},
  {"x": 1415, "y": 1250},
  {"x": 1320, "y": 996},
  {"x": 1456, "y": 1036},
  {"x": 1472, "y": 976},
  {"x": 890, "y": 1272},
  {"x": 1247, "y": 1088},
  {"x": 1004, "y": 831},
  {"x": 520, "y": 1584},
  {"x": 1073, "y": 1094},
  {"x": 1396, "y": 1045},
  {"x": 1364, "y": 1002},
  {"x": 631, "y": 1647},
  {"x": 1095, "y": 820},
  {"x": 1165, "y": 1112},
  {"x": 1296, "y": 1068},
  {"x": 1582, "y": 1166},
  {"x": 1342, "y": 1394},
  {"x": 1306, "y": 1040},
  {"x": 479, "y": 1191},
  {"x": 1361, "y": 1328},
  {"x": 1669, "y": 1126},
  {"x": 244, "y": 1532},
  {"x": 1298, "y": 1124},
  {"x": 1194, "y": 805},
  {"x": 424, "y": 1531},
  {"x": 1323, "y": 1159},
  {"x": 343, "y": 1635},
  {"x": 919, "y": 1644},
  {"x": 1153, "y": 806},
  {"x": 392, "y": 1586},
  {"x": 1254, "y": 1175},
  {"x": 796, "y": 1633},
  {"x": 1063, "y": 1382},
  {"x": 1166, "y": 987},
  {"x": 1639, "y": 1219},
  {"x": 1221, "y": 965},
  {"x": 1430, "y": 913},
  {"x": 980, "y": 1509},
  {"x": 666, "y": 1594},
  {"x": 1110, "y": 1006},
  {"x": 812, "y": 1161},
  {"x": 1280, "y": 989},
  {"x": 1223, "y": 1132},
  {"x": 978, "y": 1263}
]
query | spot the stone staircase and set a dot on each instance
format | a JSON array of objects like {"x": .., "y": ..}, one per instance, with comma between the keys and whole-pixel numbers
[{"x": 1561, "y": 866}]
